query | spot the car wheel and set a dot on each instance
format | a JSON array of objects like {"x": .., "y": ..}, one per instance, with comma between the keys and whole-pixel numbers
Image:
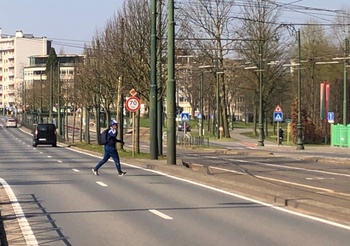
[
  {"x": 35, "y": 144},
  {"x": 54, "y": 145}
]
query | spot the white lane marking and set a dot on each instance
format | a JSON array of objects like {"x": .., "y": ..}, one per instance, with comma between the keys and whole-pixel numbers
[
  {"x": 226, "y": 170},
  {"x": 21, "y": 218},
  {"x": 296, "y": 184},
  {"x": 160, "y": 214},
  {"x": 314, "y": 218},
  {"x": 319, "y": 178},
  {"x": 59, "y": 161},
  {"x": 49, "y": 156},
  {"x": 101, "y": 183},
  {"x": 75, "y": 170},
  {"x": 293, "y": 168}
]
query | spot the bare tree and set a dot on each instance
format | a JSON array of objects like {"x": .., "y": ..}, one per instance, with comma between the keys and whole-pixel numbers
[
  {"x": 209, "y": 28},
  {"x": 316, "y": 47},
  {"x": 341, "y": 28},
  {"x": 263, "y": 42}
]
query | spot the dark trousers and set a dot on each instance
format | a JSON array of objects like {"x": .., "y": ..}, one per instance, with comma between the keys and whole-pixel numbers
[{"x": 108, "y": 153}]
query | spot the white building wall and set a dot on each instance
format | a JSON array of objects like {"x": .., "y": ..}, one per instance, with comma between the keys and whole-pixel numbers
[{"x": 14, "y": 52}]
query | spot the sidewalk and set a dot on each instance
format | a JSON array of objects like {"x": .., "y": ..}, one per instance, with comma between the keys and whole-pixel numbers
[{"x": 321, "y": 152}]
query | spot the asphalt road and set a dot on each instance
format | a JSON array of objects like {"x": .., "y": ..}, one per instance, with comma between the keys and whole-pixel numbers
[{"x": 65, "y": 204}]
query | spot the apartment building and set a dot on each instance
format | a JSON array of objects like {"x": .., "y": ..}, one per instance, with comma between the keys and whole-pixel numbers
[
  {"x": 35, "y": 80},
  {"x": 14, "y": 53}
]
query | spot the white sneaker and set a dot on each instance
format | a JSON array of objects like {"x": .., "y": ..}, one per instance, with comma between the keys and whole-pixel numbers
[{"x": 94, "y": 171}]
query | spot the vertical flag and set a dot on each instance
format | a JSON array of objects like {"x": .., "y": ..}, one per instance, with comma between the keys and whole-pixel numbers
[
  {"x": 325, "y": 91},
  {"x": 322, "y": 101}
]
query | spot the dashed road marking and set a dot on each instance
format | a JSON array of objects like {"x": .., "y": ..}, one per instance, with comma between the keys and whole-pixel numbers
[
  {"x": 75, "y": 170},
  {"x": 319, "y": 178},
  {"x": 101, "y": 183},
  {"x": 160, "y": 214}
]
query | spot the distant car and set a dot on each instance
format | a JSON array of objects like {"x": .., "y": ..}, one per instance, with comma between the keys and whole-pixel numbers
[
  {"x": 181, "y": 127},
  {"x": 11, "y": 122},
  {"x": 45, "y": 134}
]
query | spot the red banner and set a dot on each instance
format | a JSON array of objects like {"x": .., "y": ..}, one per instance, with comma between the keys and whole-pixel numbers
[
  {"x": 325, "y": 91},
  {"x": 328, "y": 91}
]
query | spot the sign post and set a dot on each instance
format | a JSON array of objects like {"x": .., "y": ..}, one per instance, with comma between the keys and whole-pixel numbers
[
  {"x": 133, "y": 104},
  {"x": 278, "y": 117},
  {"x": 185, "y": 117}
]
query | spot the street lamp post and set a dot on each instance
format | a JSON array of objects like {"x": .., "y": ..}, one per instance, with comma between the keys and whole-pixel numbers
[
  {"x": 171, "y": 87},
  {"x": 300, "y": 144},
  {"x": 201, "y": 98},
  {"x": 41, "y": 93},
  {"x": 201, "y": 106},
  {"x": 345, "y": 81},
  {"x": 218, "y": 102},
  {"x": 261, "y": 126}
]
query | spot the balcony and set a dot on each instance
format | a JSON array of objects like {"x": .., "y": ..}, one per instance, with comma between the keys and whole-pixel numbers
[
  {"x": 11, "y": 57},
  {"x": 11, "y": 92},
  {"x": 11, "y": 64},
  {"x": 6, "y": 47}
]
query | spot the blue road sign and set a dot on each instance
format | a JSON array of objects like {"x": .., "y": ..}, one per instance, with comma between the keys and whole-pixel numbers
[
  {"x": 330, "y": 117},
  {"x": 277, "y": 116},
  {"x": 199, "y": 116},
  {"x": 185, "y": 117}
]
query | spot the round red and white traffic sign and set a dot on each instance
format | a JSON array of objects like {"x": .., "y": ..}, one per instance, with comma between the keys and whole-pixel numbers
[{"x": 133, "y": 104}]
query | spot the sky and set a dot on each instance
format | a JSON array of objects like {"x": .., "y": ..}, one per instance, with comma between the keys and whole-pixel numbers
[{"x": 71, "y": 23}]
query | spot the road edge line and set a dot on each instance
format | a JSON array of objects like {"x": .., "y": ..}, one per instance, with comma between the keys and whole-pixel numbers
[{"x": 21, "y": 218}]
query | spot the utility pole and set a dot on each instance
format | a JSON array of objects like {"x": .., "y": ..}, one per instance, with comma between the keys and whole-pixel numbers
[
  {"x": 300, "y": 144},
  {"x": 217, "y": 101},
  {"x": 159, "y": 80},
  {"x": 153, "y": 89},
  {"x": 261, "y": 81},
  {"x": 171, "y": 88},
  {"x": 51, "y": 95},
  {"x": 345, "y": 81},
  {"x": 59, "y": 121},
  {"x": 201, "y": 98},
  {"x": 201, "y": 105}
]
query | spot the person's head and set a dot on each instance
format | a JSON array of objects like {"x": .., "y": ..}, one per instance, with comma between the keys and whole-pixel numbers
[{"x": 113, "y": 124}]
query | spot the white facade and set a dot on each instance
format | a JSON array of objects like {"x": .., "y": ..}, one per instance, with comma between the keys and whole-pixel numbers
[
  {"x": 35, "y": 77},
  {"x": 14, "y": 53}
]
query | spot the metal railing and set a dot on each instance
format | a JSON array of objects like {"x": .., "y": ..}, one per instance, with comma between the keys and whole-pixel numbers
[{"x": 188, "y": 140}]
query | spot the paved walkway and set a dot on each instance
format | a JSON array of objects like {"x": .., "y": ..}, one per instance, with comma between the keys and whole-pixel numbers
[{"x": 314, "y": 151}]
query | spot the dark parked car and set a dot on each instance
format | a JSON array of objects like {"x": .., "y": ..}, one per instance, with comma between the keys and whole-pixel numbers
[
  {"x": 45, "y": 134},
  {"x": 181, "y": 127}
]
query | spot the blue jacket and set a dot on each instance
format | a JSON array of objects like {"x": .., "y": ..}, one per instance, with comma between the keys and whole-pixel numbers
[{"x": 112, "y": 138}]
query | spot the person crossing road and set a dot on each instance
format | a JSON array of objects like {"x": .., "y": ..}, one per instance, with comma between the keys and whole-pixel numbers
[{"x": 110, "y": 150}]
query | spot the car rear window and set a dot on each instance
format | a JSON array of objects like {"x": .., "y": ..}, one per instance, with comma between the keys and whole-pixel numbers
[
  {"x": 44, "y": 128},
  {"x": 11, "y": 120}
]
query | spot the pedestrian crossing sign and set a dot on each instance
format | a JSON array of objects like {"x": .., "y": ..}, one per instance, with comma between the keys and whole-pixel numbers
[
  {"x": 185, "y": 117},
  {"x": 278, "y": 116}
]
